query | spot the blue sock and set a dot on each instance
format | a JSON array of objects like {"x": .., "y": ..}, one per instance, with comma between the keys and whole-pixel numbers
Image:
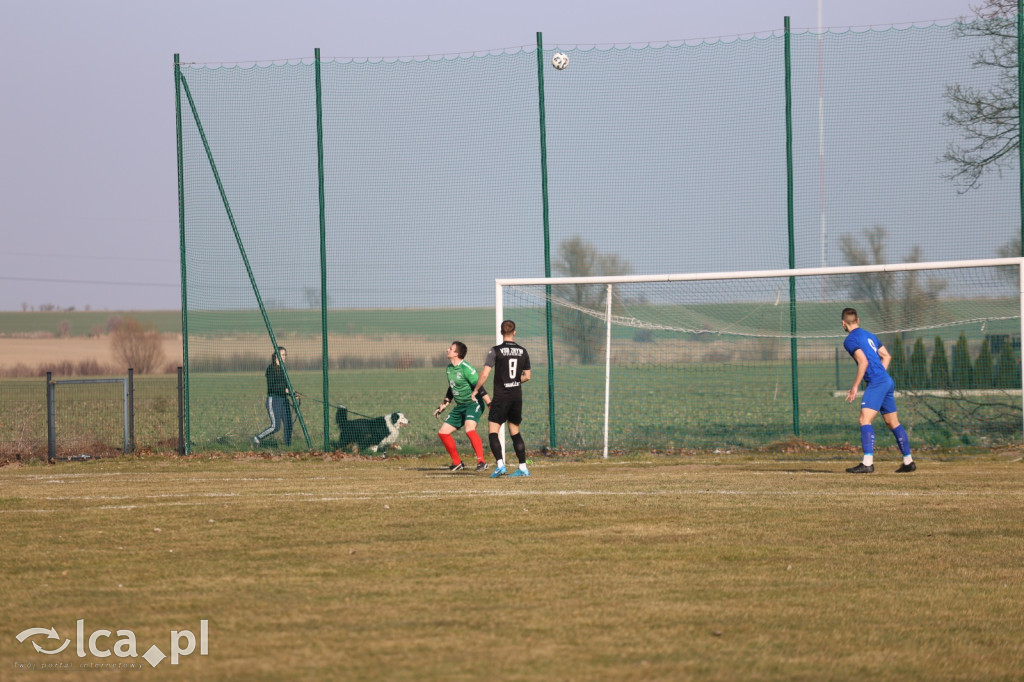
[
  {"x": 867, "y": 440},
  {"x": 902, "y": 440}
]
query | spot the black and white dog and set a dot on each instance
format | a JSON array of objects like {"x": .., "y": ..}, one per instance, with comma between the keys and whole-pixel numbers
[{"x": 375, "y": 434}]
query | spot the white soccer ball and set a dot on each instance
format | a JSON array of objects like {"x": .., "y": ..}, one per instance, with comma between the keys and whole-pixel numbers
[{"x": 560, "y": 60}]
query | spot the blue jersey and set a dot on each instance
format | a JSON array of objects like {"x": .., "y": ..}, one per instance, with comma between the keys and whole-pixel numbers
[{"x": 861, "y": 339}]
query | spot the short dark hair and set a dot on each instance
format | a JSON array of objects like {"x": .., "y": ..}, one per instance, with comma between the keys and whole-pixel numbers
[
  {"x": 460, "y": 349},
  {"x": 507, "y": 327},
  {"x": 850, "y": 315}
]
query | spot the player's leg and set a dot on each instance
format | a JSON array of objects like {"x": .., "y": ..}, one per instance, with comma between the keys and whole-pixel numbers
[
  {"x": 451, "y": 424},
  {"x": 867, "y": 438},
  {"x": 515, "y": 418},
  {"x": 495, "y": 418},
  {"x": 892, "y": 420},
  {"x": 478, "y": 445},
  {"x": 474, "y": 411}
]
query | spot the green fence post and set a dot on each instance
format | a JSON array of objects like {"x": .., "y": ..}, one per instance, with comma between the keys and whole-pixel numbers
[
  {"x": 552, "y": 434},
  {"x": 181, "y": 231},
  {"x": 323, "y": 250},
  {"x": 792, "y": 243}
]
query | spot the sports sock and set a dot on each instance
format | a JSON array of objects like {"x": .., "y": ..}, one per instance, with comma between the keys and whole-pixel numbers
[
  {"x": 903, "y": 441},
  {"x": 478, "y": 445},
  {"x": 449, "y": 445},
  {"x": 522, "y": 466},
  {"x": 495, "y": 442},
  {"x": 867, "y": 443},
  {"x": 520, "y": 448}
]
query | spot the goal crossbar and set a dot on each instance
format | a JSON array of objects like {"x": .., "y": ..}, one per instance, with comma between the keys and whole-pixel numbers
[{"x": 762, "y": 274}]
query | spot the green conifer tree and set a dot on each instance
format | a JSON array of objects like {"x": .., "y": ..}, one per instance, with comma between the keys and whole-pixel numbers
[
  {"x": 1007, "y": 371},
  {"x": 917, "y": 368},
  {"x": 962, "y": 372},
  {"x": 940, "y": 366},
  {"x": 898, "y": 366},
  {"x": 983, "y": 370}
]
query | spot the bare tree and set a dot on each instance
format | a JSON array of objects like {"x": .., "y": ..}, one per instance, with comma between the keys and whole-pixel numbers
[
  {"x": 988, "y": 118},
  {"x": 895, "y": 299},
  {"x": 137, "y": 345},
  {"x": 579, "y": 258}
]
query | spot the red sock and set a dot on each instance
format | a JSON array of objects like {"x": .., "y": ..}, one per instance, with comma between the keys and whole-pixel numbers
[
  {"x": 478, "y": 446},
  {"x": 449, "y": 445}
]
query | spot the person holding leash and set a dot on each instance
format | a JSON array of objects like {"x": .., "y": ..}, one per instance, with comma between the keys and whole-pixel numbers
[
  {"x": 468, "y": 407},
  {"x": 278, "y": 409}
]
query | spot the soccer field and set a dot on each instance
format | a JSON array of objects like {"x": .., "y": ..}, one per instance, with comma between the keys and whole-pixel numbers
[{"x": 639, "y": 568}]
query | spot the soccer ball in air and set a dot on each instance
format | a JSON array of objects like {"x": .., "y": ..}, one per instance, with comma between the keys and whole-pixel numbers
[{"x": 560, "y": 60}]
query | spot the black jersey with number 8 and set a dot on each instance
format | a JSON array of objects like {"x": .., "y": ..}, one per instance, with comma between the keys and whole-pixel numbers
[{"x": 508, "y": 360}]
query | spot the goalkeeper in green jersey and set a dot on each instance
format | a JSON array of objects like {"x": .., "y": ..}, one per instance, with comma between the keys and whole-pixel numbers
[{"x": 462, "y": 379}]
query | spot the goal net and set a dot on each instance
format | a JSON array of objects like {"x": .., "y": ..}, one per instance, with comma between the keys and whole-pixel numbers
[{"x": 738, "y": 360}]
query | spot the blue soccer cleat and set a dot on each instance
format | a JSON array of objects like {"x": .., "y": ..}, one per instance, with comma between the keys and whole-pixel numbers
[
  {"x": 500, "y": 471},
  {"x": 520, "y": 472}
]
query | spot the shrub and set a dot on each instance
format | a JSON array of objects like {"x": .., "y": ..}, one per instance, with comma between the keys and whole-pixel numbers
[{"x": 137, "y": 345}]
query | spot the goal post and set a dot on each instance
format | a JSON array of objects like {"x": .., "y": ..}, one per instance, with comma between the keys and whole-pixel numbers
[{"x": 710, "y": 360}]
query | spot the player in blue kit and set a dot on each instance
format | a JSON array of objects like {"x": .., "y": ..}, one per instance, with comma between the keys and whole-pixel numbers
[{"x": 872, "y": 366}]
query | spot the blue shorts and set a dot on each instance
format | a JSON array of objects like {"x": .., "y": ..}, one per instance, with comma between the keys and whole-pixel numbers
[{"x": 878, "y": 396}]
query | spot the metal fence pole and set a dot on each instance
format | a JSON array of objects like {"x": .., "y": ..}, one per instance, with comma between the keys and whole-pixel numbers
[
  {"x": 51, "y": 419},
  {"x": 129, "y": 445},
  {"x": 181, "y": 411}
]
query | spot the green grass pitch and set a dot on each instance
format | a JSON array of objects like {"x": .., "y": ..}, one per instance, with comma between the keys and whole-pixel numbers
[{"x": 643, "y": 567}]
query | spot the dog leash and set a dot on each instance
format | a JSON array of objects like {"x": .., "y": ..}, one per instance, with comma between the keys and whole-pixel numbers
[{"x": 358, "y": 414}]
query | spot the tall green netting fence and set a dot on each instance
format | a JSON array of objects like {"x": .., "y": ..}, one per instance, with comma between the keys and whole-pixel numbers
[{"x": 659, "y": 158}]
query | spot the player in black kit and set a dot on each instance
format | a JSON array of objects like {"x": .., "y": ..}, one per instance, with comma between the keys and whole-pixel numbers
[{"x": 511, "y": 363}]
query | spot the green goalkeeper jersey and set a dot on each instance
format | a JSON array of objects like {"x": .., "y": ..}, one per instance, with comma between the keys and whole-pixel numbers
[{"x": 461, "y": 382}]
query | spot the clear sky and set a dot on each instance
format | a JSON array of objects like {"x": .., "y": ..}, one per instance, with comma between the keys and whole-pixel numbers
[{"x": 88, "y": 176}]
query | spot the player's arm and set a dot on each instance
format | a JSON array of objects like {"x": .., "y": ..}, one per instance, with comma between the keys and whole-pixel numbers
[
  {"x": 883, "y": 354},
  {"x": 484, "y": 373},
  {"x": 862, "y": 368},
  {"x": 524, "y": 377},
  {"x": 444, "y": 403}
]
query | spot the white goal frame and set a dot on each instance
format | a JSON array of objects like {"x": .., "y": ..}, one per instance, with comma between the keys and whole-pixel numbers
[{"x": 610, "y": 281}]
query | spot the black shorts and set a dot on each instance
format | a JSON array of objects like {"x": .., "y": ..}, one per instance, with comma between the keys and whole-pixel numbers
[{"x": 506, "y": 410}]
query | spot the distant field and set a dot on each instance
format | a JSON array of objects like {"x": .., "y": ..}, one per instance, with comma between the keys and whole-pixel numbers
[
  {"x": 643, "y": 568},
  {"x": 669, "y": 391}
]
